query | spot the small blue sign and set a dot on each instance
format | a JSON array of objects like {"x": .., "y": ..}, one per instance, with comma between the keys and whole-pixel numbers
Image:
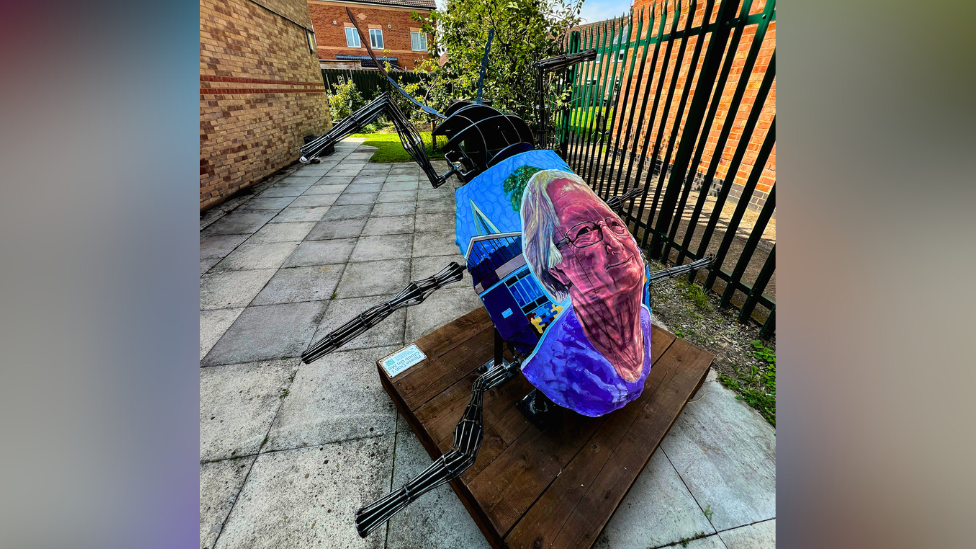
[{"x": 402, "y": 359}]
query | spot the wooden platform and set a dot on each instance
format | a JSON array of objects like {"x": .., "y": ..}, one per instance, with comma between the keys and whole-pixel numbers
[{"x": 532, "y": 488}]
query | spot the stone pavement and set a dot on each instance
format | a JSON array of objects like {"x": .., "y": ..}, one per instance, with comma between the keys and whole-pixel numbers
[{"x": 289, "y": 452}]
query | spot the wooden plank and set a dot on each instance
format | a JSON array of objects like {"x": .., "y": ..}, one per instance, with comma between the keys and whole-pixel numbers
[
  {"x": 547, "y": 516},
  {"x": 510, "y": 487},
  {"x": 432, "y": 376},
  {"x": 687, "y": 369},
  {"x": 524, "y": 488}
]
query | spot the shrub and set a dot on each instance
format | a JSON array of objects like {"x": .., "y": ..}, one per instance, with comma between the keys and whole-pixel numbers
[{"x": 345, "y": 99}]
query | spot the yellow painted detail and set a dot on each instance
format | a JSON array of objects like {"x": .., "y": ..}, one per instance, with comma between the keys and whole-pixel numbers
[{"x": 539, "y": 325}]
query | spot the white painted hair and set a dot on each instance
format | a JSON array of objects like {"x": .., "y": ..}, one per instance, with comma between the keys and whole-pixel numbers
[{"x": 539, "y": 223}]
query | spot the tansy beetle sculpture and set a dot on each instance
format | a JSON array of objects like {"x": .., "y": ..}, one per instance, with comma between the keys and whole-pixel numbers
[{"x": 558, "y": 272}]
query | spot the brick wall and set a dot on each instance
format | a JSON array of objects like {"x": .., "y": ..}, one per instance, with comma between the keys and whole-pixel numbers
[
  {"x": 261, "y": 92},
  {"x": 768, "y": 177},
  {"x": 396, "y": 40}
]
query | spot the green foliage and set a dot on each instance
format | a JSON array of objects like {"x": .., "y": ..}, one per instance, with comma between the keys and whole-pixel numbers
[
  {"x": 708, "y": 512},
  {"x": 515, "y": 184},
  {"x": 763, "y": 353},
  {"x": 526, "y": 31},
  {"x": 389, "y": 148},
  {"x": 757, "y": 387},
  {"x": 345, "y": 99},
  {"x": 696, "y": 294}
]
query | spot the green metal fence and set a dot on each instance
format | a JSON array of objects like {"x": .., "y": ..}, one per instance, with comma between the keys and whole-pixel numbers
[
  {"x": 627, "y": 125},
  {"x": 369, "y": 83}
]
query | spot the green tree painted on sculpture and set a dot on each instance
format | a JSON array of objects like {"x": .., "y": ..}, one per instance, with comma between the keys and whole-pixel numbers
[{"x": 515, "y": 184}]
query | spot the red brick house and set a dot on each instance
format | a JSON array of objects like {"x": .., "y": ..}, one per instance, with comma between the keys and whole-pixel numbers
[{"x": 389, "y": 26}]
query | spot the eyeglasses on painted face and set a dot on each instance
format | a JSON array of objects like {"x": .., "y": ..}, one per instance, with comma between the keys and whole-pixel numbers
[{"x": 589, "y": 233}]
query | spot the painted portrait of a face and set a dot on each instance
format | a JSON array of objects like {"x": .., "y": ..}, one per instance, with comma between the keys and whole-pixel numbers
[{"x": 595, "y": 356}]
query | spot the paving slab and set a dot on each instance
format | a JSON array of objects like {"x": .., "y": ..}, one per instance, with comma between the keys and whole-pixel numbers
[
  {"x": 249, "y": 256},
  {"x": 343, "y": 172},
  {"x": 332, "y": 229},
  {"x": 374, "y": 248},
  {"x": 278, "y": 192},
  {"x": 267, "y": 332},
  {"x": 761, "y": 535},
  {"x": 295, "y": 284},
  {"x": 294, "y": 213},
  {"x": 282, "y": 232},
  {"x": 437, "y": 222},
  {"x": 388, "y": 209},
  {"x": 213, "y": 324},
  {"x": 393, "y": 186},
  {"x": 308, "y": 497},
  {"x": 315, "y": 200},
  {"x": 314, "y": 170},
  {"x": 377, "y": 226},
  {"x": 240, "y": 222},
  {"x": 370, "y": 178},
  {"x": 396, "y": 196},
  {"x": 441, "y": 307},
  {"x": 297, "y": 179},
  {"x": 707, "y": 542},
  {"x": 387, "y": 332},
  {"x": 437, "y": 519},
  {"x": 436, "y": 206},
  {"x": 325, "y": 189},
  {"x": 435, "y": 243},
  {"x": 207, "y": 263},
  {"x": 348, "y": 212},
  {"x": 220, "y": 482},
  {"x": 726, "y": 454},
  {"x": 238, "y": 402},
  {"x": 374, "y": 278},
  {"x": 349, "y": 198},
  {"x": 330, "y": 180},
  {"x": 220, "y": 245},
  {"x": 269, "y": 203},
  {"x": 657, "y": 511},
  {"x": 374, "y": 171},
  {"x": 230, "y": 289},
  {"x": 338, "y": 397},
  {"x": 423, "y": 267},
  {"x": 359, "y": 187},
  {"x": 322, "y": 252},
  {"x": 299, "y": 185}
]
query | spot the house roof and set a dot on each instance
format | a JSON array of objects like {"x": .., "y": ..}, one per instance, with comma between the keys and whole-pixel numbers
[{"x": 419, "y": 4}]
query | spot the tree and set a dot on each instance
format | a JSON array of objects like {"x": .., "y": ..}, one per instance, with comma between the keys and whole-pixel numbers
[
  {"x": 344, "y": 100},
  {"x": 526, "y": 31}
]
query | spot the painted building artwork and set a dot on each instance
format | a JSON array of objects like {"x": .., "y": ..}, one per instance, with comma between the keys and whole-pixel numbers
[{"x": 562, "y": 279}]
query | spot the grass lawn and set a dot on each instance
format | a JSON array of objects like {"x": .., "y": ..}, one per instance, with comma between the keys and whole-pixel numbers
[
  {"x": 389, "y": 149},
  {"x": 583, "y": 120}
]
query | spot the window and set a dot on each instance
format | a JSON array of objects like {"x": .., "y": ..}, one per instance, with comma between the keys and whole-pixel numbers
[
  {"x": 352, "y": 38},
  {"x": 625, "y": 35},
  {"x": 418, "y": 41},
  {"x": 376, "y": 38},
  {"x": 311, "y": 41}
]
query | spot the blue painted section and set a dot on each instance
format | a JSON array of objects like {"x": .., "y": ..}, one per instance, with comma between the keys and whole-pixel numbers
[
  {"x": 500, "y": 299},
  {"x": 487, "y": 192}
]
